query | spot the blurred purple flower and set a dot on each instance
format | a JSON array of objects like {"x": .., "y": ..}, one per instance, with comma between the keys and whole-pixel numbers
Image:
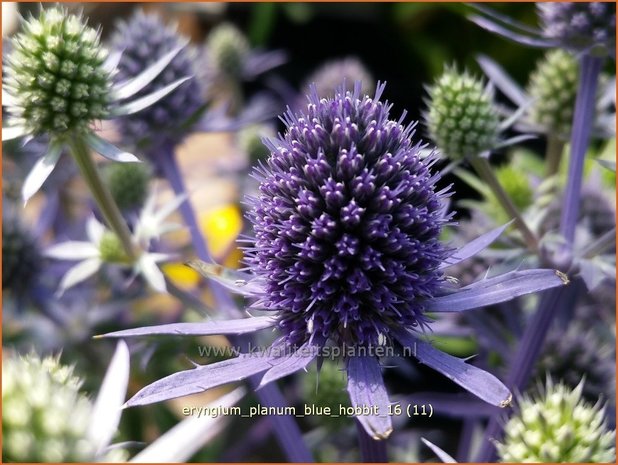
[
  {"x": 347, "y": 252},
  {"x": 143, "y": 39}
]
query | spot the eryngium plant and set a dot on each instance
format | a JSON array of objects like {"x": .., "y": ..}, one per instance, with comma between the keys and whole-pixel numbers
[
  {"x": 558, "y": 427},
  {"x": 347, "y": 255},
  {"x": 21, "y": 256},
  {"x": 142, "y": 40},
  {"x": 461, "y": 118},
  {"x": 553, "y": 87},
  {"x": 585, "y": 25},
  {"x": 45, "y": 416}
]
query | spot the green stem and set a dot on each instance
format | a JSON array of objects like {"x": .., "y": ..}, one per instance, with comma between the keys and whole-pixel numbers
[
  {"x": 102, "y": 196},
  {"x": 484, "y": 170},
  {"x": 553, "y": 155}
]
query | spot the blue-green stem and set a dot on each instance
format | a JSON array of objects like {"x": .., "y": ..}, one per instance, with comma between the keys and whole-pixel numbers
[
  {"x": 590, "y": 69},
  {"x": 103, "y": 198},
  {"x": 561, "y": 299},
  {"x": 486, "y": 173}
]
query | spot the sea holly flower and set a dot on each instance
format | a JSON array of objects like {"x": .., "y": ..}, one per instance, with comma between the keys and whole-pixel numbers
[
  {"x": 588, "y": 27},
  {"x": 347, "y": 251},
  {"x": 59, "y": 84},
  {"x": 329, "y": 75},
  {"x": 143, "y": 39},
  {"x": 21, "y": 256},
  {"x": 128, "y": 183},
  {"x": 558, "y": 426},
  {"x": 104, "y": 247}
]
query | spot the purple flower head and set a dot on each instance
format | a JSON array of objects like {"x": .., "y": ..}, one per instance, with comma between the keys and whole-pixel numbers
[
  {"x": 347, "y": 223},
  {"x": 347, "y": 255},
  {"x": 580, "y": 25},
  {"x": 143, "y": 40}
]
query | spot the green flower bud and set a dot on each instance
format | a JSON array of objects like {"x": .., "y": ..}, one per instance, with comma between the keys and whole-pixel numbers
[
  {"x": 128, "y": 184},
  {"x": 227, "y": 50},
  {"x": 558, "y": 426},
  {"x": 44, "y": 415},
  {"x": 56, "y": 75},
  {"x": 249, "y": 140},
  {"x": 326, "y": 388},
  {"x": 111, "y": 249},
  {"x": 553, "y": 86},
  {"x": 461, "y": 118}
]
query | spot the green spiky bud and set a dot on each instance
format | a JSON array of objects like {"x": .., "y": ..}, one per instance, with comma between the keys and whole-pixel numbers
[
  {"x": 461, "y": 118},
  {"x": 516, "y": 184},
  {"x": 249, "y": 141},
  {"x": 553, "y": 88},
  {"x": 558, "y": 426},
  {"x": 128, "y": 184},
  {"x": 111, "y": 249},
  {"x": 326, "y": 388},
  {"x": 56, "y": 75},
  {"x": 21, "y": 256},
  {"x": 44, "y": 415},
  {"x": 227, "y": 50}
]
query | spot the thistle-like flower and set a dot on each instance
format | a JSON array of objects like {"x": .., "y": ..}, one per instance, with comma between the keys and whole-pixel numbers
[
  {"x": 461, "y": 118},
  {"x": 228, "y": 49},
  {"x": 558, "y": 427},
  {"x": 347, "y": 254},
  {"x": 47, "y": 418},
  {"x": 586, "y": 25},
  {"x": 553, "y": 87},
  {"x": 328, "y": 76},
  {"x": 59, "y": 84},
  {"x": 143, "y": 39}
]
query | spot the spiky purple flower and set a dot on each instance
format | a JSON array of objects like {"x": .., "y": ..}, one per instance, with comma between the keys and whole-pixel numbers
[
  {"x": 143, "y": 40},
  {"x": 347, "y": 223},
  {"x": 580, "y": 25},
  {"x": 347, "y": 254}
]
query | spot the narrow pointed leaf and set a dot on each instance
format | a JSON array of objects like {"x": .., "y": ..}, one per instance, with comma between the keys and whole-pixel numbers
[
  {"x": 295, "y": 362},
  {"x": 497, "y": 289},
  {"x": 40, "y": 172},
  {"x": 80, "y": 272},
  {"x": 134, "y": 85},
  {"x": 112, "y": 61},
  {"x": 503, "y": 81},
  {"x": 609, "y": 164},
  {"x": 245, "y": 325},
  {"x": 201, "y": 379},
  {"x": 13, "y": 132},
  {"x": 515, "y": 140},
  {"x": 180, "y": 443},
  {"x": 108, "y": 406},
  {"x": 236, "y": 281},
  {"x": 514, "y": 36},
  {"x": 439, "y": 452},
  {"x": 94, "y": 230},
  {"x": 479, "y": 382},
  {"x": 506, "y": 20},
  {"x": 366, "y": 388},
  {"x": 110, "y": 151},
  {"x": 474, "y": 247},
  {"x": 7, "y": 99},
  {"x": 144, "y": 102},
  {"x": 151, "y": 273},
  {"x": 72, "y": 250}
]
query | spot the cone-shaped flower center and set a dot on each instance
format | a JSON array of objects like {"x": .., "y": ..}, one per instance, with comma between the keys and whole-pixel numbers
[{"x": 347, "y": 223}]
